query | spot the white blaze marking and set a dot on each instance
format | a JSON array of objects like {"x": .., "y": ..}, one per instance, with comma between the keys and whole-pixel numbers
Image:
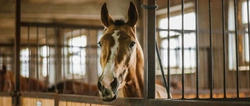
[{"x": 108, "y": 74}]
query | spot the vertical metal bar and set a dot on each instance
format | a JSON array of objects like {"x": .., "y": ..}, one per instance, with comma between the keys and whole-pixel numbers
[
  {"x": 17, "y": 51},
  {"x": 64, "y": 62},
  {"x": 47, "y": 56},
  {"x": 37, "y": 57},
  {"x": 248, "y": 31},
  {"x": 224, "y": 50},
  {"x": 189, "y": 50},
  {"x": 237, "y": 46},
  {"x": 72, "y": 55},
  {"x": 197, "y": 48},
  {"x": 182, "y": 49},
  {"x": 211, "y": 50},
  {"x": 87, "y": 54},
  {"x": 80, "y": 31},
  {"x": 150, "y": 74},
  {"x": 168, "y": 12},
  {"x": 55, "y": 57},
  {"x": 29, "y": 58}
]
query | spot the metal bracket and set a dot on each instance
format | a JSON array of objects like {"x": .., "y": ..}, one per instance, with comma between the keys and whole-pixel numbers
[
  {"x": 149, "y": 6},
  {"x": 15, "y": 97}
]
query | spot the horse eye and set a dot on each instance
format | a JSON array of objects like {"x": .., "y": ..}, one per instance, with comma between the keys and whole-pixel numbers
[
  {"x": 99, "y": 43},
  {"x": 132, "y": 44}
]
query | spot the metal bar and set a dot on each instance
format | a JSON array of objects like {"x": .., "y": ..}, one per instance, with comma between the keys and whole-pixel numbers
[
  {"x": 169, "y": 96},
  {"x": 248, "y": 26},
  {"x": 182, "y": 49},
  {"x": 17, "y": 52},
  {"x": 37, "y": 57},
  {"x": 39, "y": 95},
  {"x": 47, "y": 57},
  {"x": 224, "y": 50},
  {"x": 72, "y": 55},
  {"x": 59, "y": 25},
  {"x": 162, "y": 70},
  {"x": 80, "y": 31},
  {"x": 211, "y": 50},
  {"x": 201, "y": 31},
  {"x": 50, "y": 45},
  {"x": 64, "y": 63},
  {"x": 197, "y": 48},
  {"x": 92, "y": 100},
  {"x": 237, "y": 46},
  {"x": 55, "y": 56},
  {"x": 29, "y": 58}
]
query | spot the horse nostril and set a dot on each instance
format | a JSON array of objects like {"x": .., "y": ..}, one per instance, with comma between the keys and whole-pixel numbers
[
  {"x": 99, "y": 86},
  {"x": 114, "y": 84}
]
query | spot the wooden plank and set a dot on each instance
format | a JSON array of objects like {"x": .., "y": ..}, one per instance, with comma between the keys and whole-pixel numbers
[
  {"x": 23, "y": 101},
  {"x": 69, "y": 103},
  {"x": 79, "y": 104},
  {"x": 87, "y": 104},
  {"x": 72, "y": 104},
  {"x": 62, "y": 103},
  {"x": 27, "y": 101},
  {"x": 46, "y": 102},
  {"x": 5, "y": 101}
]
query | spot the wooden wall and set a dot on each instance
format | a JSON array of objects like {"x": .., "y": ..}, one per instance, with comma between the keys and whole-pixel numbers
[
  {"x": 5, "y": 101},
  {"x": 27, "y": 101},
  {"x": 68, "y": 103}
]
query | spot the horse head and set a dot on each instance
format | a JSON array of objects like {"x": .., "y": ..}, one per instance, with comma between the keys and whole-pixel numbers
[
  {"x": 6, "y": 83},
  {"x": 118, "y": 52}
]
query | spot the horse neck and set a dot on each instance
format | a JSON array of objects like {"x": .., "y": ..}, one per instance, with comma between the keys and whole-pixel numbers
[{"x": 134, "y": 88}]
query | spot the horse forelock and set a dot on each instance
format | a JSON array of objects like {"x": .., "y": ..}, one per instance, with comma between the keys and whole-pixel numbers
[
  {"x": 119, "y": 22},
  {"x": 121, "y": 25}
]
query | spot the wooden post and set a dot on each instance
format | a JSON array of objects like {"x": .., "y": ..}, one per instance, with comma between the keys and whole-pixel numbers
[{"x": 149, "y": 51}]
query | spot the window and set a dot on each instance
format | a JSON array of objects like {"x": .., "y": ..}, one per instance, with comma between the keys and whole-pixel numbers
[
  {"x": 246, "y": 36},
  {"x": 24, "y": 58},
  {"x": 77, "y": 54},
  {"x": 176, "y": 42},
  {"x": 243, "y": 40}
]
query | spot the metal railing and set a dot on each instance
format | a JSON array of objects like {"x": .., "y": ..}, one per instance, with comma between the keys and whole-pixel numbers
[{"x": 150, "y": 67}]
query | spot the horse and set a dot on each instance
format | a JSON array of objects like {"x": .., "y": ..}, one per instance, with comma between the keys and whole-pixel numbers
[
  {"x": 74, "y": 87},
  {"x": 7, "y": 82},
  {"x": 121, "y": 59}
]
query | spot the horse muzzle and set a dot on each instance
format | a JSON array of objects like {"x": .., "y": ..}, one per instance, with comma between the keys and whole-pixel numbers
[
  {"x": 108, "y": 93},
  {"x": 109, "y": 98}
]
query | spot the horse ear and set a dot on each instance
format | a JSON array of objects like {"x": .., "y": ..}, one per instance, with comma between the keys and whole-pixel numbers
[
  {"x": 132, "y": 15},
  {"x": 106, "y": 18},
  {"x": 4, "y": 70}
]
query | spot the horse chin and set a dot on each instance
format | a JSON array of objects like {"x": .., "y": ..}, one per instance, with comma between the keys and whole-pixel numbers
[{"x": 109, "y": 99}]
